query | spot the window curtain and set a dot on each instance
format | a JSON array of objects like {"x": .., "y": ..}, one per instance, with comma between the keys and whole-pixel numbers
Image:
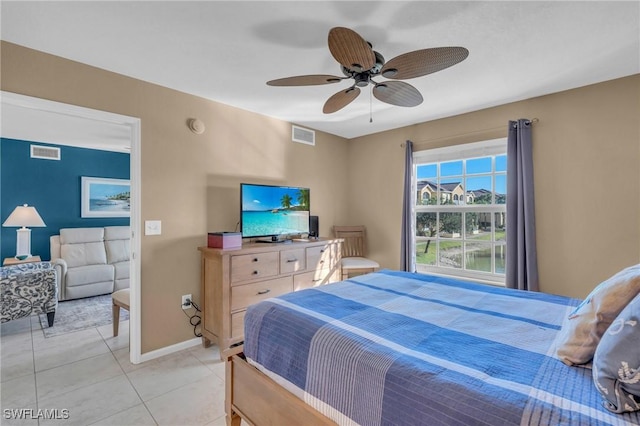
[
  {"x": 407, "y": 257},
  {"x": 521, "y": 260}
]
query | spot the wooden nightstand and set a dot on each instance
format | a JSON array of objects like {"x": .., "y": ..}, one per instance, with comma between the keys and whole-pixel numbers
[{"x": 13, "y": 261}]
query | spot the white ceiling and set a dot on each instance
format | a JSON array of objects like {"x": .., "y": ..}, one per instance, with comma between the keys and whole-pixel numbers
[
  {"x": 226, "y": 51},
  {"x": 37, "y": 120}
]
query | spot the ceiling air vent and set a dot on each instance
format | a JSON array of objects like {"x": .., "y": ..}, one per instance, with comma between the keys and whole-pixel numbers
[
  {"x": 302, "y": 135},
  {"x": 45, "y": 152}
]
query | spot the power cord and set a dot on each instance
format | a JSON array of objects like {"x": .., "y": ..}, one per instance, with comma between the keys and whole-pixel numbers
[{"x": 195, "y": 320}]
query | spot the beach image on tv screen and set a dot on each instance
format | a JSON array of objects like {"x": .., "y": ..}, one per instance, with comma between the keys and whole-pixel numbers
[{"x": 271, "y": 210}]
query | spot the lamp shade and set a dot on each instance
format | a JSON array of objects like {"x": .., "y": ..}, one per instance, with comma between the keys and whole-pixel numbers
[{"x": 24, "y": 216}]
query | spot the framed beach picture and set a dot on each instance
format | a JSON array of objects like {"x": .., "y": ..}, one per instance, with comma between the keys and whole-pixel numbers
[{"x": 103, "y": 197}]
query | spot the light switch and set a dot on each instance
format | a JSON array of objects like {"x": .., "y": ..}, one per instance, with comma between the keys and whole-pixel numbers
[{"x": 152, "y": 227}]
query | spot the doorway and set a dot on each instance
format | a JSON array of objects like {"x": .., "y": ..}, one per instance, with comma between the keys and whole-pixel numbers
[{"x": 39, "y": 120}]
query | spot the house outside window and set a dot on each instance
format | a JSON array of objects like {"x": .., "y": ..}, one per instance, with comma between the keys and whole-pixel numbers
[{"x": 460, "y": 210}]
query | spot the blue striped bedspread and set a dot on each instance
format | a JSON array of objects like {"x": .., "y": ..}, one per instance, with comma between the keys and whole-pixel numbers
[{"x": 411, "y": 349}]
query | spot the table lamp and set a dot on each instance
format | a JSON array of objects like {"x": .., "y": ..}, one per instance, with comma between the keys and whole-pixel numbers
[{"x": 22, "y": 217}]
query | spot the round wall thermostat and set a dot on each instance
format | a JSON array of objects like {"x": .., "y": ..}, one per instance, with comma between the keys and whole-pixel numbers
[{"x": 196, "y": 126}]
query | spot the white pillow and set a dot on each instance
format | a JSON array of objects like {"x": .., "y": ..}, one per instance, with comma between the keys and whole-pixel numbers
[{"x": 616, "y": 363}]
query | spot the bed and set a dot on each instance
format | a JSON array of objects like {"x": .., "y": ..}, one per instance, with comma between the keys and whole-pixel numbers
[{"x": 410, "y": 349}]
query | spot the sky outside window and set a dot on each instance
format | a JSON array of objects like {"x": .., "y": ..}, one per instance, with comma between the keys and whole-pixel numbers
[{"x": 451, "y": 169}]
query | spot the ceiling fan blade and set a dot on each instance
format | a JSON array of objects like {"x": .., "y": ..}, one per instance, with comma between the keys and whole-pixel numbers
[
  {"x": 423, "y": 62},
  {"x": 397, "y": 93},
  {"x": 305, "y": 80},
  {"x": 351, "y": 50},
  {"x": 340, "y": 100}
]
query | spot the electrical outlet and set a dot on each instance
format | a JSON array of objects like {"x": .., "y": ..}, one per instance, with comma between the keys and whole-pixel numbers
[{"x": 186, "y": 298}]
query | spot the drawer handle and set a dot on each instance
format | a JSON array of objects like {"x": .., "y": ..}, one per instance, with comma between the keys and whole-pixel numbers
[
  {"x": 291, "y": 260},
  {"x": 264, "y": 291},
  {"x": 255, "y": 259},
  {"x": 255, "y": 272},
  {"x": 322, "y": 250},
  {"x": 316, "y": 280}
]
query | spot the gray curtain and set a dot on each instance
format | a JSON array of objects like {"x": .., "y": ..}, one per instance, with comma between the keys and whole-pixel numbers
[
  {"x": 407, "y": 262},
  {"x": 521, "y": 261}
]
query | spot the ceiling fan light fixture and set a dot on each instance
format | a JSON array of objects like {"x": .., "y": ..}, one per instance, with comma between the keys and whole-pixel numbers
[
  {"x": 389, "y": 73},
  {"x": 362, "y": 79}
]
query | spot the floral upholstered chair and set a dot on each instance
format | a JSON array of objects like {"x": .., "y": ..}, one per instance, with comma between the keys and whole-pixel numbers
[{"x": 29, "y": 289}]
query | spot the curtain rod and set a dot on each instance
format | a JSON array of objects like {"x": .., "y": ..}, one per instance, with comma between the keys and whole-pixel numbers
[
  {"x": 533, "y": 120},
  {"x": 527, "y": 122}
]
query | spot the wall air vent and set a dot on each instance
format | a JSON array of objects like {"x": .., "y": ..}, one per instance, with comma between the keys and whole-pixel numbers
[
  {"x": 45, "y": 152},
  {"x": 302, "y": 135}
]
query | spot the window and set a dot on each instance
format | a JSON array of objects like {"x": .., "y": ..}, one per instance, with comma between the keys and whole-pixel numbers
[{"x": 460, "y": 210}]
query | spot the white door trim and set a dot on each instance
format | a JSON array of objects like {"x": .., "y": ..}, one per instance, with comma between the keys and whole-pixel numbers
[{"x": 133, "y": 125}]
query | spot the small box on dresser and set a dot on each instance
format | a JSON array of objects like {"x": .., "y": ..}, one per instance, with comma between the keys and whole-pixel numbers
[
  {"x": 232, "y": 279},
  {"x": 224, "y": 240}
]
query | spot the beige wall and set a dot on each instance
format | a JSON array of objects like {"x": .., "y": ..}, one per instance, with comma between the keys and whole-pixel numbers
[
  {"x": 190, "y": 182},
  {"x": 587, "y": 139},
  {"x": 586, "y": 144}
]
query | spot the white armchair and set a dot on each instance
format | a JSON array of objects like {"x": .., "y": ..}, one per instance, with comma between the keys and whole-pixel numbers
[
  {"x": 91, "y": 261},
  {"x": 117, "y": 241}
]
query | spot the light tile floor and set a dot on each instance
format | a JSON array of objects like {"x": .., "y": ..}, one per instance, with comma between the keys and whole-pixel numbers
[{"x": 89, "y": 374}]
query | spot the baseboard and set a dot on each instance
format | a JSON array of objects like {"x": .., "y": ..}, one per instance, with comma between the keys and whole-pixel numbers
[{"x": 167, "y": 350}]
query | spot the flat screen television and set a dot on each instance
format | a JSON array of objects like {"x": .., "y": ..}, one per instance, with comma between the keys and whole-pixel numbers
[{"x": 273, "y": 211}]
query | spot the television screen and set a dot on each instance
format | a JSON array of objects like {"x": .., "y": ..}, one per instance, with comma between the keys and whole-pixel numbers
[{"x": 268, "y": 210}]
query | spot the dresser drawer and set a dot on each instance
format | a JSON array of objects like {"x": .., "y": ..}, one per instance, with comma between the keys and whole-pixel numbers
[
  {"x": 292, "y": 261},
  {"x": 254, "y": 266},
  {"x": 248, "y": 294},
  {"x": 319, "y": 257},
  {"x": 311, "y": 279}
]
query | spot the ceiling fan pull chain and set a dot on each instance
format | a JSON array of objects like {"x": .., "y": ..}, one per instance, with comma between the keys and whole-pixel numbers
[{"x": 371, "y": 105}]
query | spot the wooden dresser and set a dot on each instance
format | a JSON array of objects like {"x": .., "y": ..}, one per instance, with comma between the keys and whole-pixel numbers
[{"x": 233, "y": 279}]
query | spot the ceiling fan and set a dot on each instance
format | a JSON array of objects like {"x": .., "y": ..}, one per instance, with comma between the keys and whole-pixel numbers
[{"x": 361, "y": 63}]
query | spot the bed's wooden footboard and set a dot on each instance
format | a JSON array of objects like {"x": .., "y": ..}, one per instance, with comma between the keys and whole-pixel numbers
[{"x": 258, "y": 400}]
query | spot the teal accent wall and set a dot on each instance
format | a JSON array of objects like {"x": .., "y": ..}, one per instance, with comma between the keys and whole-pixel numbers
[{"x": 53, "y": 188}]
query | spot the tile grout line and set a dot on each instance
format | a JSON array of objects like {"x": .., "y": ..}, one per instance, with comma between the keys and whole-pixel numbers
[
  {"x": 66, "y": 363},
  {"x": 33, "y": 328},
  {"x": 80, "y": 360},
  {"x": 35, "y": 376},
  {"x": 169, "y": 391},
  {"x": 126, "y": 375}
]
